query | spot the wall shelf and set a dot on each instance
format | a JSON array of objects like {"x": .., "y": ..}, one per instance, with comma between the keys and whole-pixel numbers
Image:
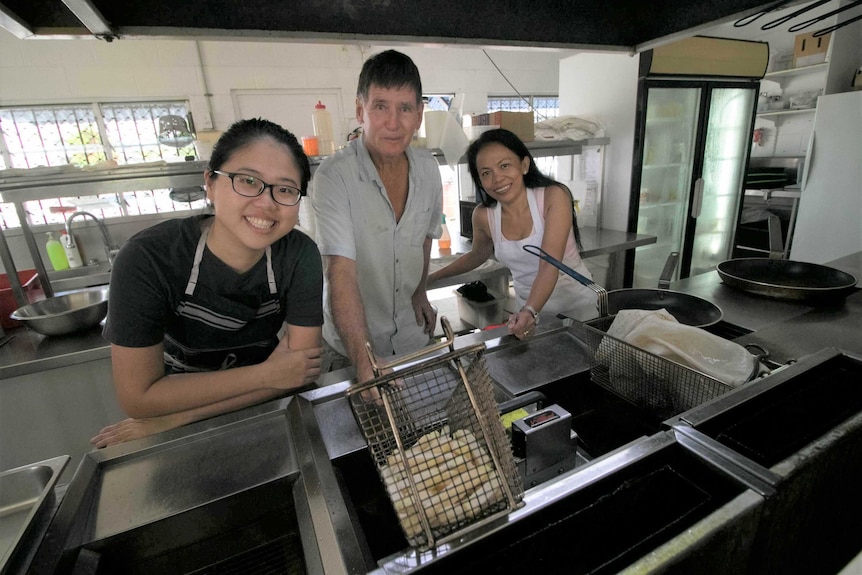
[
  {"x": 543, "y": 148},
  {"x": 778, "y": 75},
  {"x": 785, "y": 112}
]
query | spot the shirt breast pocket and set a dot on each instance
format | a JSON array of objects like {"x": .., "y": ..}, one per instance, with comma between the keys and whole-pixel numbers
[{"x": 420, "y": 228}]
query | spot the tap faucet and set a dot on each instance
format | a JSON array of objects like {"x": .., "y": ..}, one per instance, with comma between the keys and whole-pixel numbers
[{"x": 110, "y": 248}]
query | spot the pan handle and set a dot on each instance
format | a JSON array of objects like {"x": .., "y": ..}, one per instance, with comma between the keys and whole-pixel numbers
[
  {"x": 600, "y": 291},
  {"x": 667, "y": 272},
  {"x": 762, "y": 355}
]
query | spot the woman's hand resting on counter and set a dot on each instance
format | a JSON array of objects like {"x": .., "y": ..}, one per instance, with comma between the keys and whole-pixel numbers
[
  {"x": 521, "y": 324},
  {"x": 190, "y": 397},
  {"x": 130, "y": 429}
]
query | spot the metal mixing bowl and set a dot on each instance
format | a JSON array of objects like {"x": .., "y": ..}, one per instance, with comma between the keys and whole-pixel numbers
[{"x": 65, "y": 314}]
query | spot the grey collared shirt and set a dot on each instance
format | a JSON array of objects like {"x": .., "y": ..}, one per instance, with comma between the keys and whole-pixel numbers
[{"x": 355, "y": 219}]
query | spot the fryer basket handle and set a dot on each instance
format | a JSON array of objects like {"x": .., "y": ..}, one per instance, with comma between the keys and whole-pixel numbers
[
  {"x": 537, "y": 251},
  {"x": 449, "y": 342}
]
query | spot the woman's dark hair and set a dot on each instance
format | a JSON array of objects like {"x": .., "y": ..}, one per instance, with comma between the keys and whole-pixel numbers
[
  {"x": 389, "y": 69},
  {"x": 532, "y": 179},
  {"x": 244, "y": 132}
]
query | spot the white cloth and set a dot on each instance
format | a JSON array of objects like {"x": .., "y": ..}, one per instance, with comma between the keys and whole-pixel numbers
[
  {"x": 570, "y": 297},
  {"x": 658, "y": 332}
]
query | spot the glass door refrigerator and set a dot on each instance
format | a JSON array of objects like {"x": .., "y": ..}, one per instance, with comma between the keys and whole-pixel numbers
[{"x": 691, "y": 151}]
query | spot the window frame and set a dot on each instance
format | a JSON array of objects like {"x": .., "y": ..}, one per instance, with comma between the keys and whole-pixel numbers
[
  {"x": 528, "y": 104},
  {"x": 112, "y": 121}
]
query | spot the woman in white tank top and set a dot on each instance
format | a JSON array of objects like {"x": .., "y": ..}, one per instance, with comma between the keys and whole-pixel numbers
[{"x": 520, "y": 206}]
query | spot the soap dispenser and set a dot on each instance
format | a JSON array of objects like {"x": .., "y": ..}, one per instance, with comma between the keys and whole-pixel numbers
[
  {"x": 73, "y": 256},
  {"x": 56, "y": 253}
]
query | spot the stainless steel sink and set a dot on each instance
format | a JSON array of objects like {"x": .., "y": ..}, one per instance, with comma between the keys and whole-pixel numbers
[
  {"x": 247, "y": 491},
  {"x": 82, "y": 277},
  {"x": 26, "y": 504}
]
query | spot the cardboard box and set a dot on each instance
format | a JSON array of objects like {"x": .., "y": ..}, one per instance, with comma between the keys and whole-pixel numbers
[
  {"x": 808, "y": 50},
  {"x": 519, "y": 123}
]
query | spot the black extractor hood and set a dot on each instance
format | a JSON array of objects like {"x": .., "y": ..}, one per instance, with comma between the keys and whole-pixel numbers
[{"x": 586, "y": 24}]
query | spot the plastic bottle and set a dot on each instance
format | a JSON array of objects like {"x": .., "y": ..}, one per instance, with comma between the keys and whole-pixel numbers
[
  {"x": 73, "y": 256},
  {"x": 323, "y": 129},
  {"x": 445, "y": 241},
  {"x": 56, "y": 253}
]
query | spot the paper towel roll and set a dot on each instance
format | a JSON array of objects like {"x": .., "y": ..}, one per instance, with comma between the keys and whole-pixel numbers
[{"x": 434, "y": 122}]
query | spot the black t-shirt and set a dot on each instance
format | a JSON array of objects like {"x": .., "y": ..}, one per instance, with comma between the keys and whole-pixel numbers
[{"x": 152, "y": 269}]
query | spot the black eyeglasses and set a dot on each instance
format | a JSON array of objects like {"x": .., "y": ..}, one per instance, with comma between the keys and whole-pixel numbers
[{"x": 251, "y": 187}]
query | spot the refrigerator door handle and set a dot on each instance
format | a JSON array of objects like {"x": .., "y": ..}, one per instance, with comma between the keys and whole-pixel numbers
[
  {"x": 809, "y": 158},
  {"x": 697, "y": 199}
]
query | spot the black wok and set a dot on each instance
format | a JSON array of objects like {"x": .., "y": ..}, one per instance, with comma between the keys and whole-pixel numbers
[
  {"x": 787, "y": 279},
  {"x": 687, "y": 309}
]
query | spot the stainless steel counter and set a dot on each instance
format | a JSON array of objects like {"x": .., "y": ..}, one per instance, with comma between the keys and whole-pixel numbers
[
  {"x": 838, "y": 326},
  {"x": 789, "y": 330},
  {"x": 601, "y": 241},
  {"x": 739, "y": 308},
  {"x": 30, "y": 352}
]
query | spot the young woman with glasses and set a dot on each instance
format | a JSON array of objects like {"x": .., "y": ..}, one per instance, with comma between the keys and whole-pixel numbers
[{"x": 213, "y": 313}]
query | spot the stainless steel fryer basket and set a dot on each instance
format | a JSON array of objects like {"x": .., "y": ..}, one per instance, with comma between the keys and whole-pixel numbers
[
  {"x": 659, "y": 386},
  {"x": 434, "y": 432}
]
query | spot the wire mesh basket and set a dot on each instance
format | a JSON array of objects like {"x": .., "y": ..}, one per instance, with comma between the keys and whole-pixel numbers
[
  {"x": 434, "y": 432},
  {"x": 659, "y": 386}
]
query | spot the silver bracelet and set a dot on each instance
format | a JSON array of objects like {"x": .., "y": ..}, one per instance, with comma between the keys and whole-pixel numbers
[{"x": 533, "y": 313}]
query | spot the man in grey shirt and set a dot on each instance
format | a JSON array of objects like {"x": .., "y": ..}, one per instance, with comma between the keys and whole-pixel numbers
[{"x": 378, "y": 205}]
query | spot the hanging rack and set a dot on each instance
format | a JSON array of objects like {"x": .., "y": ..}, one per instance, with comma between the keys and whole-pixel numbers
[
  {"x": 830, "y": 29},
  {"x": 807, "y": 23},
  {"x": 792, "y": 15},
  {"x": 746, "y": 20}
]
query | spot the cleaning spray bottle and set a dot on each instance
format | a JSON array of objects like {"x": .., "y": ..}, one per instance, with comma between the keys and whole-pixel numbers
[
  {"x": 323, "y": 129},
  {"x": 56, "y": 253},
  {"x": 445, "y": 241}
]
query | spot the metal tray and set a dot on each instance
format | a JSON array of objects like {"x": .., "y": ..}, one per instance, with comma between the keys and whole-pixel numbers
[{"x": 26, "y": 497}]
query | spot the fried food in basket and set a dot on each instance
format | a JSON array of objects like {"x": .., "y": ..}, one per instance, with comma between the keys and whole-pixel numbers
[{"x": 454, "y": 476}]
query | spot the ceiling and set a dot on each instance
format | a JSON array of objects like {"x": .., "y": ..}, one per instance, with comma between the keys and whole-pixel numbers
[{"x": 578, "y": 24}]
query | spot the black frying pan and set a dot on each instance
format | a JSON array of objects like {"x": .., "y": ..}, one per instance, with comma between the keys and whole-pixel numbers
[
  {"x": 687, "y": 309},
  {"x": 787, "y": 279}
]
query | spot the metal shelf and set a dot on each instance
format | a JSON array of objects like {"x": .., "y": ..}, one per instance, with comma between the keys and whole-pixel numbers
[
  {"x": 543, "y": 148},
  {"x": 19, "y": 186},
  {"x": 796, "y": 71},
  {"x": 82, "y": 182},
  {"x": 785, "y": 112}
]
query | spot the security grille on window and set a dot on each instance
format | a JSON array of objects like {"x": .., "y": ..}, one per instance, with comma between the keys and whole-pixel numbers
[
  {"x": 88, "y": 134},
  {"x": 543, "y": 107}
]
